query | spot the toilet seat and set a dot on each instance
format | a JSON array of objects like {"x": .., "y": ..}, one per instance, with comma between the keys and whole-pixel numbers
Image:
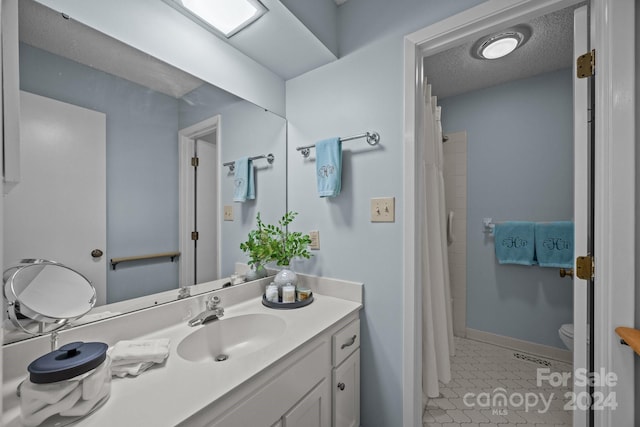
[
  {"x": 567, "y": 330},
  {"x": 566, "y": 335}
]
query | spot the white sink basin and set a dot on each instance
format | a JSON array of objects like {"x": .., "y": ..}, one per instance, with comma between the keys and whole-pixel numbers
[{"x": 230, "y": 338}]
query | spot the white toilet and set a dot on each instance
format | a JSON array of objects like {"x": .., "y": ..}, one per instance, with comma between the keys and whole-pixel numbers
[{"x": 566, "y": 335}]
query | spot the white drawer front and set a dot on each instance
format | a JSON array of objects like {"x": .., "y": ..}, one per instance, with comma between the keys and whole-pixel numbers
[{"x": 346, "y": 341}]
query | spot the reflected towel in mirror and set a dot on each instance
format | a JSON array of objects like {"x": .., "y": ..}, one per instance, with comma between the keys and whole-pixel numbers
[{"x": 244, "y": 186}]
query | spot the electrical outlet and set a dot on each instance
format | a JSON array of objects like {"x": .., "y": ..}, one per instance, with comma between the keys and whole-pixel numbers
[
  {"x": 228, "y": 212},
  {"x": 383, "y": 209},
  {"x": 315, "y": 239}
]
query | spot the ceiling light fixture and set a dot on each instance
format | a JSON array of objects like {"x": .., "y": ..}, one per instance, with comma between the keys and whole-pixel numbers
[
  {"x": 499, "y": 45},
  {"x": 227, "y": 17}
]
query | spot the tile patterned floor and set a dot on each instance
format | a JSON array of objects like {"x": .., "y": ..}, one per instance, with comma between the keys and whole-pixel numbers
[{"x": 491, "y": 387}]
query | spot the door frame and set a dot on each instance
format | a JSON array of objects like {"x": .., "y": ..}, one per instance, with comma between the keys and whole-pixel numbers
[
  {"x": 186, "y": 140},
  {"x": 611, "y": 20}
]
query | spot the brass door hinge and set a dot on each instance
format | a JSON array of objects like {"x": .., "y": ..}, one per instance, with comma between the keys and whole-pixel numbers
[
  {"x": 585, "y": 267},
  {"x": 195, "y": 235},
  {"x": 586, "y": 64},
  {"x": 195, "y": 162}
]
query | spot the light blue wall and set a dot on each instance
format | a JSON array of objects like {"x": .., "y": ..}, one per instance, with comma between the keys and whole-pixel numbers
[
  {"x": 361, "y": 92},
  {"x": 246, "y": 130},
  {"x": 520, "y": 167},
  {"x": 142, "y": 189},
  {"x": 142, "y": 163},
  {"x": 320, "y": 17}
]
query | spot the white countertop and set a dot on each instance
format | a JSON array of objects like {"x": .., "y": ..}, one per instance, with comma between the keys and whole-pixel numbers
[{"x": 168, "y": 394}]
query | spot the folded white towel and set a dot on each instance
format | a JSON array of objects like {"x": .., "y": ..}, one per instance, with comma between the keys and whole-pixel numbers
[
  {"x": 84, "y": 406},
  {"x": 118, "y": 363},
  {"x": 29, "y": 406},
  {"x": 127, "y": 352},
  {"x": 133, "y": 369},
  {"x": 92, "y": 384},
  {"x": 65, "y": 404},
  {"x": 49, "y": 393}
]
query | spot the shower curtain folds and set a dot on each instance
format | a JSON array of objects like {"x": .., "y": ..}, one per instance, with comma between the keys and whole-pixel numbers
[{"x": 437, "y": 325}]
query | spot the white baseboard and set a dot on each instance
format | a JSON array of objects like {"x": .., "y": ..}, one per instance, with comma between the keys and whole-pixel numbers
[{"x": 520, "y": 345}]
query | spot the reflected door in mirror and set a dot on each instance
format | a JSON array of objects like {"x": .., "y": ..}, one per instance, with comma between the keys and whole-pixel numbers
[{"x": 58, "y": 210}]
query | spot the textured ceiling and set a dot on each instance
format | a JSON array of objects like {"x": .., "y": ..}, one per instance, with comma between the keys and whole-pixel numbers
[
  {"x": 339, "y": 2},
  {"x": 46, "y": 29},
  {"x": 456, "y": 71}
]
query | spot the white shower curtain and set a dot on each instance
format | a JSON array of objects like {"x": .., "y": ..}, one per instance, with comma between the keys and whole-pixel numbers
[{"x": 437, "y": 327}]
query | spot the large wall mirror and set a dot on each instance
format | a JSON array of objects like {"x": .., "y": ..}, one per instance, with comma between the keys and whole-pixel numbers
[{"x": 108, "y": 134}]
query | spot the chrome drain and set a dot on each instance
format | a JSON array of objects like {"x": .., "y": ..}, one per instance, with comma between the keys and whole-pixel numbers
[{"x": 221, "y": 357}]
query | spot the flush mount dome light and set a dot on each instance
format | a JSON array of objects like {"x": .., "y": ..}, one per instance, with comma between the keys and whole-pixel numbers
[
  {"x": 499, "y": 45},
  {"x": 223, "y": 16}
]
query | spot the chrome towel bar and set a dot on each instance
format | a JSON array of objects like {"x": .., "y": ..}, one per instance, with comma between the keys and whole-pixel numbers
[
  {"x": 270, "y": 158},
  {"x": 373, "y": 138}
]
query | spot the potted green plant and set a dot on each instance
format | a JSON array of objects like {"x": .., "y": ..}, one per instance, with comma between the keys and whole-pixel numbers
[{"x": 270, "y": 242}]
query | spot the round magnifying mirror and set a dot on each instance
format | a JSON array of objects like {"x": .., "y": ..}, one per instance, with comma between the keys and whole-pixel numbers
[{"x": 44, "y": 295}]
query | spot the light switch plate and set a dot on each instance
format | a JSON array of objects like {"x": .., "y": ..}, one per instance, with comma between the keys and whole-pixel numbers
[
  {"x": 383, "y": 209},
  {"x": 228, "y": 212},
  {"x": 315, "y": 239}
]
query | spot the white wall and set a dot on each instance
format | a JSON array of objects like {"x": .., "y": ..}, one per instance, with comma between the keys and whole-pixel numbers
[
  {"x": 637, "y": 325},
  {"x": 361, "y": 92}
]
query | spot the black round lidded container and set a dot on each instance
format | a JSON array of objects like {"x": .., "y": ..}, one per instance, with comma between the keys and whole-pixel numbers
[
  {"x": 68, "y": 361},
  {"x": 66, "y": 384}
]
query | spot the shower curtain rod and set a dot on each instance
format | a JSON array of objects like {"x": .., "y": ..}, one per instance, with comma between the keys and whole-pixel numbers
[{"x": 372, "y": 139}]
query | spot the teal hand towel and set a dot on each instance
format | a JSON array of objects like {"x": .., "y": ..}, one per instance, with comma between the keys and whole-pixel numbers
[
  {"x": 515, "y": 243},
  {"x": 554, "y": 244},
  {"x": 329, "y": 167},
  {"x": 244, "y": 186}
]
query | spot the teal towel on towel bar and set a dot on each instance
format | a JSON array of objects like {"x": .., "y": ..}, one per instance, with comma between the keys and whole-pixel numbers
[
  {"x": 515, "y": 242},
  {"x": 244, "y": 186},
  {"x": 329, "y": 167},
  {"x": 554, "y": 244}
]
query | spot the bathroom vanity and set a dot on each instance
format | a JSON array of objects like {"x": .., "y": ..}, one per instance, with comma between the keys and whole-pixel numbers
[{"x": 284, "y": 367}]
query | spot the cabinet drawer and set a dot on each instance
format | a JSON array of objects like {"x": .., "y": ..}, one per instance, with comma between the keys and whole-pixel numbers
[{"x": 345, "y": 341}]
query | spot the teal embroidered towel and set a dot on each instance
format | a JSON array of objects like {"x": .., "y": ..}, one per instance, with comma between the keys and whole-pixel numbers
[
  {"x": 514, "y": 242},
  {"x": 329, "y": 167},
  {"x": 244, "y": 186},
  {"x": 554, "y": 244}
]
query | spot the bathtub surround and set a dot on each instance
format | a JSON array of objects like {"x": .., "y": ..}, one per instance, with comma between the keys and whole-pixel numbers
[
  {"x": 520, "y": 157},
  {"x": 455, "y": 184}
]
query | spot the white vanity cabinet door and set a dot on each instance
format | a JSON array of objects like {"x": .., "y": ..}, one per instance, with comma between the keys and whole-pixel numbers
[
  {"x": 346, "y": 392},
  {"x": 312, "y": 410}
]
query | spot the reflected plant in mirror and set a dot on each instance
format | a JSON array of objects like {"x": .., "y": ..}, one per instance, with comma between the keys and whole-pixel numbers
[{"x": 122, "y": 156}]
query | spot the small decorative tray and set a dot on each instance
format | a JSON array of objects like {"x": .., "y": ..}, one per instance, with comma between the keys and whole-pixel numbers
[{"x": 286, "y": 305}]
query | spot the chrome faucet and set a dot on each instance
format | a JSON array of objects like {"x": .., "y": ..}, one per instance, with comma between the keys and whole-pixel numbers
[{"x": 213, "y": 312}]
